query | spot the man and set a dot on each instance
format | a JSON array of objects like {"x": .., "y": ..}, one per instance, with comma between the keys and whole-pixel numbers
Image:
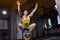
[{"x": 25, "y": 19}]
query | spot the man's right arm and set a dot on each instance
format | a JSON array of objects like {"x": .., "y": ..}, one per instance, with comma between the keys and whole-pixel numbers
[{"x": 19, "y": 11}]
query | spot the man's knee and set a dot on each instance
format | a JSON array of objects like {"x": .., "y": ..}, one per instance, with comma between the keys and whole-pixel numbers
[
  {"x": 20, "y": 26},
  {"x": 34, "y": 24}
]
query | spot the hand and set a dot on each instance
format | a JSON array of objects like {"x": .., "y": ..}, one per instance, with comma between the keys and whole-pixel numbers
[
  {"x": 36, "y": 4},
  {"x": 18, "y": 3}
]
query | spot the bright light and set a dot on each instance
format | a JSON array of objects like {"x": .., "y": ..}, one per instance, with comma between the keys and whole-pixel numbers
[
  {"x": 49, "y": 22},
  {"x": 56, "y": 6},
  {"x": 4, "y": 12},
  {"x": 58, "y": 18}
]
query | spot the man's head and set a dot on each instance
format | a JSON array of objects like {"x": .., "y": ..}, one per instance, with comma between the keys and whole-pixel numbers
[{"x": 25, "y": 12}]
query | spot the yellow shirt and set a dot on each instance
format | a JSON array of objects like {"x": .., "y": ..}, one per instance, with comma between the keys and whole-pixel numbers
[{"x": 25, "y": 21}]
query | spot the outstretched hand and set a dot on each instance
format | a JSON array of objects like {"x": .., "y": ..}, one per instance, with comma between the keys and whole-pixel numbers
[
  {"x": 36, "y": 4},
  {"x": 18, "y": 2}
]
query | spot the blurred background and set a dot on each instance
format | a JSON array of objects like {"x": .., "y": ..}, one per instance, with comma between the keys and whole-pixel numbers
[{"x": 47, "y": 18}]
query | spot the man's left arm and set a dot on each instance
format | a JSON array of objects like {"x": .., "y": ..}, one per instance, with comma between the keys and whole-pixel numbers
[{"x": 31, "y": 14}]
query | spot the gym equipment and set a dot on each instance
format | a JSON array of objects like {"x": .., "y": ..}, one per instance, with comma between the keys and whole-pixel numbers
[{"x": 27, "y": 34}]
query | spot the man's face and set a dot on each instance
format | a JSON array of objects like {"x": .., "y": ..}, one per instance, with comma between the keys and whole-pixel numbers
[{"x": 25, "y": 12}]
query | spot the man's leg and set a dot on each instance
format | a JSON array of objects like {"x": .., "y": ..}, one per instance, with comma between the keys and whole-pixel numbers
[
  {"x": 21, "y": 26},
  {"x": 32, "y": 26}
]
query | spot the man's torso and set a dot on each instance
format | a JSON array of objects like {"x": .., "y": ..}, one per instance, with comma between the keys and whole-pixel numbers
[{"x": 25, "y": 21}]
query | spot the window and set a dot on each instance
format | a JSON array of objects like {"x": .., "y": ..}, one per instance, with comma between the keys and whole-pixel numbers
[
  {"x": 58, "y": 18},
  {"x": 3, "y": 24},
  {"x": 49, "y": 22}
]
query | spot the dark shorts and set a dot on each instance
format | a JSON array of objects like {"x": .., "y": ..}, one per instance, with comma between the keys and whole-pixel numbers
[{"x": 26, "y": 28}]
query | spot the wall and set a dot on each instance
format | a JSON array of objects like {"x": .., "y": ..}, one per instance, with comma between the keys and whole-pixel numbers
[
  {"x": 58, "y": 6},
  {"x": 13, "y": 25}
]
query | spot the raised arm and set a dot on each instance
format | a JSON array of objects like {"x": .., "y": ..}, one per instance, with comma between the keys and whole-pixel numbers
[
  {"x": 18, "y": 5},
  {"x": 31, "y": 14}
]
